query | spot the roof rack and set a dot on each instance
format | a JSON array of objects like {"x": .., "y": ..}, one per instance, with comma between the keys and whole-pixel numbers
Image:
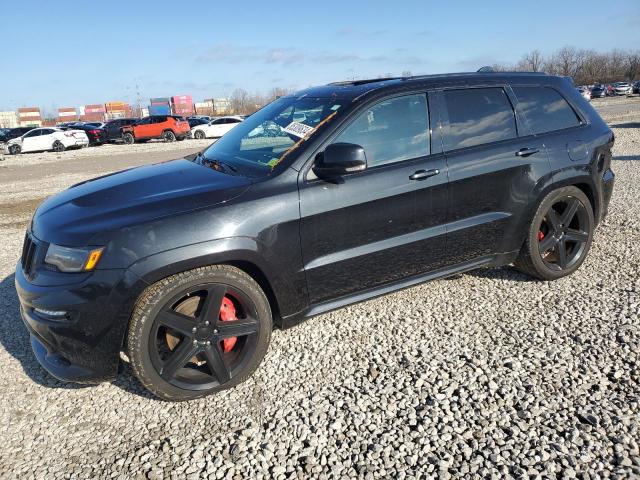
[{"x": 433, "y": 75}]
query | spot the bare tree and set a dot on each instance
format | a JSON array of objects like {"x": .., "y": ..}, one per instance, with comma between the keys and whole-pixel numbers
[
  {"x": 239, "y": 101},
  {"x": 531, "y": 62}
]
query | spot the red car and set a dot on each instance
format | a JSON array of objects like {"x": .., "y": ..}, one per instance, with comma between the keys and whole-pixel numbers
[{"x": 169, "y": 127}]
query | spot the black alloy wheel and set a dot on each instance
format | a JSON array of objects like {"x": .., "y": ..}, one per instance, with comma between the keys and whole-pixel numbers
[
  {"x": 58, "y": 146},
  {"x": 563, "y": 233},
  {"x": 199, "y": 332},
  {"x": 15, "y": 149},
  {"x": 169, "y": 136},
  {"x": 199, "y": 135},
  {"x": 559, "y": 236},
  {"x": 128, "y": 138}
]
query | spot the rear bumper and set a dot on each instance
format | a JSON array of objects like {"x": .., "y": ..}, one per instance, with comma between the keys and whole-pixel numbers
[
  {"x": 83, "y": 345},
  {"x": 608, "y": 180}
]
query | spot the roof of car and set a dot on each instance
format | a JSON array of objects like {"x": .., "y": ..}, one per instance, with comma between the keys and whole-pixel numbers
[{"x": 356, "y": 88}]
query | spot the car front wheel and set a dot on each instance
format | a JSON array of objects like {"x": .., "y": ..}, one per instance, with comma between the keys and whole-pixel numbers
[
  {"x": 559, "y": 236},
  {"x": 199, "y": 135},
  {"x": 199, "y": 332},
  {"x": 14, "y": 149}
]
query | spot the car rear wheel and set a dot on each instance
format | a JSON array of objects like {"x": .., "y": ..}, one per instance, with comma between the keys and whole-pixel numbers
[
  {"x": 15, "y": 149},
  {"x": 169, "y": 136},
  {"x": 199, "y": 135},
  {"x": 199, "y": 332},
  {"x": 58, "y": 146},
  {"x": 128, "y": 138},
  {"x": 560, "y": 235}
]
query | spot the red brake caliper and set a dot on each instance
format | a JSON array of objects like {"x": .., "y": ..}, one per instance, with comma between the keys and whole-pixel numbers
[
  {"x": 540, "y": 235},
  {"x": 228, "y": 313}
]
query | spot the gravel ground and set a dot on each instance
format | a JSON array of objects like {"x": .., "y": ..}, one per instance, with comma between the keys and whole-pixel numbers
[{"x": 485, "y": 374}]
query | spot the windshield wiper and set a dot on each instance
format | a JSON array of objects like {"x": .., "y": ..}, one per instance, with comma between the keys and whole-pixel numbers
[{"x": 214, "y": 164}]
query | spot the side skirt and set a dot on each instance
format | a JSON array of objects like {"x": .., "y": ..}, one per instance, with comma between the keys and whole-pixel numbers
[{"x": 324, "y": 307}]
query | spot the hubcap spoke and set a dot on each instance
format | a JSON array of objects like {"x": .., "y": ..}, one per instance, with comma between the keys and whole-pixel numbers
[
  {"x": 547, "y": 243},
  {"x": 579, "y": 236},
  {"x": 554, "y": 221},
  {"x": 178, "y": 359},
  {"x": 562, "y": 254},
  {"x": 216, "y": 363},
  {"x": 237, "y": 328},
  {"x": 570, "y": 211},
  {"x": 178, "y": 322},
  {"x": 211, "y": 309}
]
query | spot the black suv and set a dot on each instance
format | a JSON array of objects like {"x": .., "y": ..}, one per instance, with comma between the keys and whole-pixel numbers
[
  {"x": 11, "y": 133},
  {"x": 113, "y": 128},
  {"x": 321, "y": 199}
]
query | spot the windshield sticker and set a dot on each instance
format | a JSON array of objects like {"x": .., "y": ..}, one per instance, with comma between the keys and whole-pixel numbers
[{"x": 298, "y": 129}]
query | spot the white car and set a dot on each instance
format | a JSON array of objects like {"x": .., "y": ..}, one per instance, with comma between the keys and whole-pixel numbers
[
  {"x": 215, "y": 128},
  {"x": 44, "y": 139},
  {"x": 622, "y": 88},
  {"x": 585, "y": 92}
]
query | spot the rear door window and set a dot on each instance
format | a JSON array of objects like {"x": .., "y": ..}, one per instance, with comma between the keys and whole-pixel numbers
[
  {"x": 478, "y": 116},
  {"x": 392, "y": 130},
  {"x": 545, "y": 109}
]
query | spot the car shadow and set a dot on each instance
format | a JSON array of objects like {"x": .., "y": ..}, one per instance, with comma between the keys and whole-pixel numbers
[
  {"x": 14, "y": 338},
  {"x": 508, "y": 272},
  {"x": 626, "y": 125},
  {"x": 626, "y": 158}
]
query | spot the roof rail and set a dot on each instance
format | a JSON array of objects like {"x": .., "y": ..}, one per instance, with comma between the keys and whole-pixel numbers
[
  {"x": 364, "y": 81},
  {"x": 432, "y": 75}
]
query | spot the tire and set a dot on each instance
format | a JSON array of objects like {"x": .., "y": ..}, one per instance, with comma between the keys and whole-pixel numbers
[
  {"x": 180, "y": 138},
  {"x": 15, "y": 149},
  {"x": 58, "y": 146},
  {"x": 150, "y": 337},
  {"x": 199, "y": 135},
  {"x": 169, "y": 136},
  {"x": 559, "y": 237},
  {"x": 128, "y": 138}
]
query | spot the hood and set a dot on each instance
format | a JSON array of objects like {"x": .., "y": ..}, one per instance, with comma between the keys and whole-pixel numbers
[{"x": 132, "y": 197}]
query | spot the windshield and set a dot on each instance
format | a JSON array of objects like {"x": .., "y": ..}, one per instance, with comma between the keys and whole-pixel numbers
[{"x": 256, "y": 145}]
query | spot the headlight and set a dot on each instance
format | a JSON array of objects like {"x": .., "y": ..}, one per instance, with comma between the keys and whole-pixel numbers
[{"x": 73, "y": 259}]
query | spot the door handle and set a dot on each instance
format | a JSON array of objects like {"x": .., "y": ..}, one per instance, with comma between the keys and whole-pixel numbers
[
  {"x": 422, "y": 174},
  {"x": 525, "y": 152}
]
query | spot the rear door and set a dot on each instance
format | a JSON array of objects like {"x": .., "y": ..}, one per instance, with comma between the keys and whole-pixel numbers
[
  {"x": 493, "y": 164},
  {"x": 385, "y": 223}
]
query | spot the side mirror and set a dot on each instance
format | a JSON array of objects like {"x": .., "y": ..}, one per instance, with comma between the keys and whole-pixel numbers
[{"x": 340, "y": 159}]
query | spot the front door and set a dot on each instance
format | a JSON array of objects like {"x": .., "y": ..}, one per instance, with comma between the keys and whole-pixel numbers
[
  {"x": 30, "y": 140},
  {"x": 385, "y": 223}
]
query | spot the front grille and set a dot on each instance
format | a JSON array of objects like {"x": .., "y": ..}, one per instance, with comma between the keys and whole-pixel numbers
[{"x": 29, "y": 250}]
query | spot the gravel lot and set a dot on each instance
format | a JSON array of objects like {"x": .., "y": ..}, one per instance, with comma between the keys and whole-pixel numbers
[{"x": 484, "y": 374}]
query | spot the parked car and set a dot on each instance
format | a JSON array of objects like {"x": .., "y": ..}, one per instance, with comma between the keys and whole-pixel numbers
[
  {"x": 188, "y": 264},
  {"x": 96, "y": 136},
  {"x": 113, "y": 128},
  {"x": 599, "y": 91},
  {"x": 11, "y": 133},
  {"x": 168, "y": 127},
  {"x": 215, "y": 128},
  {"x": 622, "y": 88},
  {"x": 194, "y": 122},
  {"x": 636, "y": 87},
  {"x": 44, "y": 139},
  {"x": 585, "y": 92},
  {"x": 200, "y": 117}
]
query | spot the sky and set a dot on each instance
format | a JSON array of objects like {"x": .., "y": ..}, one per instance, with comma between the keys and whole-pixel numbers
[{"x": 68, "y": 53}]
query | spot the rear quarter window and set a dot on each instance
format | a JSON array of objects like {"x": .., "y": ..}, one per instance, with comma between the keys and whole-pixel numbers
[
  {"x": 478, "y": 116},
  {"x": 544, "y": 109}
]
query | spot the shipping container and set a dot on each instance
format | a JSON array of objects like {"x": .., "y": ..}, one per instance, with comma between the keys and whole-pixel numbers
[
  {"x": 94, "y": 108},
  {"x": 160, "y": 101},
  {"x": 116, "y": 106},
  {"x": 182, "y": 100},
  {"x": 159, "y": 110},
  {"x": 8, "y": 119},
  {"x": 92, "y": 117}
]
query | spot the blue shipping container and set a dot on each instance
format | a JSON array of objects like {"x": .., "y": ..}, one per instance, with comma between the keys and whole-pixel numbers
[{"x": 159, "y": 110}]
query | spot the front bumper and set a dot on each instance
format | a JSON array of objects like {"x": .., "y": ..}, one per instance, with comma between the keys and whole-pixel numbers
[{"x": 84, "y": 345}]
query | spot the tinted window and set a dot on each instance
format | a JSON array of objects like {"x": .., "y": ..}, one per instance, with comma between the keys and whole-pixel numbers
[
  {"x": 32, "y": 133},
  {"x": 478, "y": 116},
  {"x": 392, "y": 130},
  {"x": 545, "y": 109},
  {"x": 48, "y": 131}
]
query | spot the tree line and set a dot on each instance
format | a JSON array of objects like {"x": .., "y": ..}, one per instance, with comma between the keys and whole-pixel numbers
[{"x": 586, "y": 67}]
